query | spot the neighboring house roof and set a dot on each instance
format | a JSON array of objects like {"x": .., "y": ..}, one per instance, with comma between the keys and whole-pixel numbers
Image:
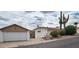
[
  {"x": 45, "y": 28},
  {"x": 14, "y": 25}
]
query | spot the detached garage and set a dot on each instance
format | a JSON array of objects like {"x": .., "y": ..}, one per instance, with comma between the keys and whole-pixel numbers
[{"x": 14, "y": 33}]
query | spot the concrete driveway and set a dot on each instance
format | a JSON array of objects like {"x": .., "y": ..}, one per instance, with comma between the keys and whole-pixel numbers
[{"x": 24, "y": 43}]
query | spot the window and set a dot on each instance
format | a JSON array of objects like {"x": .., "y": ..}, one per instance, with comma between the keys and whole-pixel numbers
[{"x": 39, "y": 31}]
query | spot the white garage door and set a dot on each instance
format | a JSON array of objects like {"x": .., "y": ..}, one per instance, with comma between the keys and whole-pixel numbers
[{"x": 14, "y": 36}]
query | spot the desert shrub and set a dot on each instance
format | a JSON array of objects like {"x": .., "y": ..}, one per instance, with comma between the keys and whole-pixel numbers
[
  {"x": 62, "y": 32},
  {"x": 54, "y": 33},
  {"x": 47, "y": 37},
  {"x": 70, "y": 30}
]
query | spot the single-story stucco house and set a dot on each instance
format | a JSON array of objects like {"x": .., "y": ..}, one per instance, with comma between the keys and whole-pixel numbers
[
  {"x": 42, "y": 32},
  {"x": 77, "y": 29},
  {"x": 14, "y": 32}
]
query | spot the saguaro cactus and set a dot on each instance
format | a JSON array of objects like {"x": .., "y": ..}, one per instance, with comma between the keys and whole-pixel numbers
[
  {"x": 63, "y": 20},
  {"x": 60, "y": 20}
]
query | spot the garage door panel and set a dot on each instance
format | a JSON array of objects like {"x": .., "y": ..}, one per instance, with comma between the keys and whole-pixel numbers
[{"x": 14, "y": 36}]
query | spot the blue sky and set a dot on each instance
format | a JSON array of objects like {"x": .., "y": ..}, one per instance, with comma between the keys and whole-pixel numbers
[{"x": 30, "y": 19}]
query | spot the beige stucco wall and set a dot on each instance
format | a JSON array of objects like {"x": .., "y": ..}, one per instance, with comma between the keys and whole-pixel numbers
[
  {"x": 43, "y": 32},
  {"x": 77, "y": 30}
]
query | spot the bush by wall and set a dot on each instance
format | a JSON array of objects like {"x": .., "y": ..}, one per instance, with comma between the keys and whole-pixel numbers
[
  {"x": 62, "y": 32},
  {"x": 54, "y": 33},
  {"x": 70, "y": 30}
]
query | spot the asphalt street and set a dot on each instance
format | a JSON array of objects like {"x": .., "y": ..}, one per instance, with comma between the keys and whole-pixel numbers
[{"x": 67, "y": 43}]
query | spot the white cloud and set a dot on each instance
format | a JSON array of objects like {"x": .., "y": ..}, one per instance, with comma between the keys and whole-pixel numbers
[{"x": 30, "y": 19}]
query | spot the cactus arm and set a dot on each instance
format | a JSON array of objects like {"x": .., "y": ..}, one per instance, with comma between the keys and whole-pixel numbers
[
  {"x": 65, "y": 20},
  {"x": 68, "y": 18}
]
